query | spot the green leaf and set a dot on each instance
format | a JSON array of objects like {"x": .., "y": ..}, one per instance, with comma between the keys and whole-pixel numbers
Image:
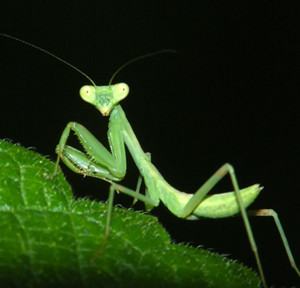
[{"x": 47, "y": 239}]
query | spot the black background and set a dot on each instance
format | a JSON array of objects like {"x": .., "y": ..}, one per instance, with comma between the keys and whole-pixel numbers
[{"x": 229, "y": 94}]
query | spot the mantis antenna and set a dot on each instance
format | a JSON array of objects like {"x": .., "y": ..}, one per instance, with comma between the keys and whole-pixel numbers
[
  {"x": 77, "y": 69},
  {"x": 139, "y": 58},
  {"x": 50, "y": 54}
]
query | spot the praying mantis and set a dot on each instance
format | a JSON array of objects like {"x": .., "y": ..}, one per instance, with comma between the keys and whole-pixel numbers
[{"x": 110, "y": 166}]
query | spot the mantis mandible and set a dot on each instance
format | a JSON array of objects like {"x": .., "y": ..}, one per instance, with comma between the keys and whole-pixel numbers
[{"x": 110, "y": 166}]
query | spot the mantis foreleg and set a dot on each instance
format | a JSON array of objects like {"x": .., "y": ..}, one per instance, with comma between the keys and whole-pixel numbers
[{"x": 98, "y": 162}]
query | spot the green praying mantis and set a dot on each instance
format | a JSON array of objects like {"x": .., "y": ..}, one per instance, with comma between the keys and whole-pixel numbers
[{"x": 110, "y": 166}]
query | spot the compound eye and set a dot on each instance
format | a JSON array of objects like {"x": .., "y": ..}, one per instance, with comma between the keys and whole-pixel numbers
[
  {"x": 87, "y": 93},
  {"x": 121, "y": 90}
]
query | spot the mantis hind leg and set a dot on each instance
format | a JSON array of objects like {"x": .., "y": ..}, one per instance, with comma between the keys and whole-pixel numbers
[
  {"x": 272, "y": 213},
  {"x": 206, "y": 188}
]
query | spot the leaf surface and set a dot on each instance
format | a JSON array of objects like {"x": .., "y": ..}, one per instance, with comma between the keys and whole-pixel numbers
[{"x": 47, "y": 238}]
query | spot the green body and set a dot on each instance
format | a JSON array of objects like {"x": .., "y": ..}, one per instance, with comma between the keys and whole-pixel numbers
[{"x": 110, "y": 166}]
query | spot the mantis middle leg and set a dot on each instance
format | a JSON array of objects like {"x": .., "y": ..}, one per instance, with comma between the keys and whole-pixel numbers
[{"x": 116, "y": 187}]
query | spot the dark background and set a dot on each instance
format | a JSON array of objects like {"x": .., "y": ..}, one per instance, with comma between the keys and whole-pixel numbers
[{"x": 229, "y": 94}]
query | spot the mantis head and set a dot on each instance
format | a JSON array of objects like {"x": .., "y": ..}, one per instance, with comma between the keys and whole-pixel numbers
[{"x": 104, "y": 98}]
